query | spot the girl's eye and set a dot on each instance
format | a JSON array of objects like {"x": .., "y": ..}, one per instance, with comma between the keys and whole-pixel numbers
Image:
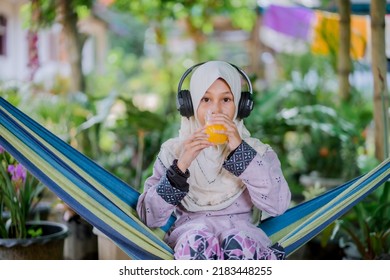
[
  {"x": 227, "y": 99},
  {"x": 205, "y": 99}
]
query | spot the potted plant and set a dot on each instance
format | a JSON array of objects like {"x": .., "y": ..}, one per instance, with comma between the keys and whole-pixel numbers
[
  {"x": 20, "y": 237},
  {"x": 364, "y": 233}
]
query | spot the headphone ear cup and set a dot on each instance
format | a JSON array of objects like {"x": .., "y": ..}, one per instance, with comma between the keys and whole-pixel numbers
[
  {"x": 184, "y": 103},
  {"x": 245, "y": 106}
]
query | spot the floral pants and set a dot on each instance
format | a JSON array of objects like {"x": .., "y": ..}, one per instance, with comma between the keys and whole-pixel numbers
[{"x": 233, "y": 245}]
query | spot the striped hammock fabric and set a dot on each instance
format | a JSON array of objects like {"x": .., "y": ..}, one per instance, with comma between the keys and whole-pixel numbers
[{"x": 108, "y": 203}]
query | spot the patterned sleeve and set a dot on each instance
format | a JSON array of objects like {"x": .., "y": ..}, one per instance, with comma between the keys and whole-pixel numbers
[
  {"x": 159, "y": 199},
  {"x": 263, "y": 177},
  {"x": 239, "y": 160}
]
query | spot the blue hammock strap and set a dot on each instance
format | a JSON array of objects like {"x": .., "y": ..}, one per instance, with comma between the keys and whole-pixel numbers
[
  {"x": 108, "y": 203},
  {"x": 98, "y": 196}
]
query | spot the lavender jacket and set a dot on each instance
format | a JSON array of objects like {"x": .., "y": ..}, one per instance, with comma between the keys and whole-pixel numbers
[{"x": 266, "y": 189}]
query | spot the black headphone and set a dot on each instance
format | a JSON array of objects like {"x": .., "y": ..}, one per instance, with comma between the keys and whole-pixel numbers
[{"x": 184, "y": 101}]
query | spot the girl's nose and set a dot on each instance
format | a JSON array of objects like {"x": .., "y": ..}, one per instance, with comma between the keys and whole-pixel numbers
[{"x": 216, "y": 108}]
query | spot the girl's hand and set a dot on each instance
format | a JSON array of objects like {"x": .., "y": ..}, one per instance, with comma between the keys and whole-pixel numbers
[
  {"x": 234, "y": 138},
  {"x": 192, "y": 147}
]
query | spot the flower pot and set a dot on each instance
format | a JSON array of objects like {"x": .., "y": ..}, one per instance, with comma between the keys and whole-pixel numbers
[{"x": 48, "y": 246}]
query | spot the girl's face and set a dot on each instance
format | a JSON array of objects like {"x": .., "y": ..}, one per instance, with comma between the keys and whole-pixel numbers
[{"x": 218, "y": 99}]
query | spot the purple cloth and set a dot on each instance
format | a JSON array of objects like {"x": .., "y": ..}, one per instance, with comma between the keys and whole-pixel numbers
[{"x": 293, "y": 21}]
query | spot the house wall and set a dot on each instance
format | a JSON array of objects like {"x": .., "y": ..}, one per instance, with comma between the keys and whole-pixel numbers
[
  {"x": 13, "y": 63},
  {"x": 52, "y": 52}
]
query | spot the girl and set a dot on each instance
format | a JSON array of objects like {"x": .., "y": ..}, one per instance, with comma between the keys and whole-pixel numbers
[{"x": 215, "y": 189}]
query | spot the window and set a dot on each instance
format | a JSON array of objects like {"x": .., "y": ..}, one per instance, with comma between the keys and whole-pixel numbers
[{"x": 3, "y": 28}]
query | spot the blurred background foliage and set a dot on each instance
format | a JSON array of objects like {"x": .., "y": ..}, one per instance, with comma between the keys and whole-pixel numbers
[{"x": 121, "y": 117}]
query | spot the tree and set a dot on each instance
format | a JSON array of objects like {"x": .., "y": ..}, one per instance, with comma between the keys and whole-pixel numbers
[
  {"x": 344, "y": 64},
  {"x": 379, "y": 71},
  {"x": 67, "y": 13},
  {"x": 68, "y": 17}
]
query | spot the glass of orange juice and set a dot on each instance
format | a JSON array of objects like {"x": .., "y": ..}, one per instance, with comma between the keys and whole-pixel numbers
[{"x": 214, "y": 137}]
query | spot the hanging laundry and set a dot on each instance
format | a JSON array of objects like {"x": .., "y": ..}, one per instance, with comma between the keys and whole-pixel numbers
[
  {"x": 287, "y": 29},
  {"x": 292, "y": 29},
  {"x": 295, "y": 22},
  {"x": 326, "y": 34}
]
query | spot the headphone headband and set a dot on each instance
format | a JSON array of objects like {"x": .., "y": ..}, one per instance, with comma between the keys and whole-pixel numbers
[{"x": 189, "y": 70}]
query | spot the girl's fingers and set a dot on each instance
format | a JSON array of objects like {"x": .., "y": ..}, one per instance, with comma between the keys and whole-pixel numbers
[
  {"x": 197, "y": 142},
  {"x": 191, "y": 150}
]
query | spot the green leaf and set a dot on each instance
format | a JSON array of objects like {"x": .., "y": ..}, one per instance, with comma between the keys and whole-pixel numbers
[{"x": 35, "y": 232}]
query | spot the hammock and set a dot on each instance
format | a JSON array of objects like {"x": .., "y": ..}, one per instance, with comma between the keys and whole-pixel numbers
[{"x": 108, "y": 203}]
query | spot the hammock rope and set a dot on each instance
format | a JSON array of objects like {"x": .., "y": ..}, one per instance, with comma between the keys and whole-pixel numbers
[{"x": 108, "y": 203}]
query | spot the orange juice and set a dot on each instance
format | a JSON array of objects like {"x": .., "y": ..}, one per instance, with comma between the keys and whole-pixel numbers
[{"x": 216, "y": 138}]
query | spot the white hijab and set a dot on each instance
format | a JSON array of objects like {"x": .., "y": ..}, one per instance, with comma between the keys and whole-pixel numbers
[{"x": 212, "y": 187}]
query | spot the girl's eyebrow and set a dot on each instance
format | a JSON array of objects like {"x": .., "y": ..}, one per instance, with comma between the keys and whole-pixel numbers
[{"x": 225, "y": 92}]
